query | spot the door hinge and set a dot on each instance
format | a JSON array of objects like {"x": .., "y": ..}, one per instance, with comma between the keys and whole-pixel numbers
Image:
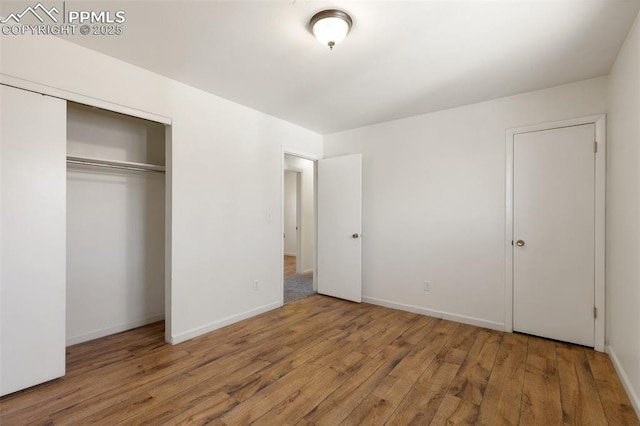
[
  {"x": 595, "y": 147},
  {"x": 595, "y": 312}
]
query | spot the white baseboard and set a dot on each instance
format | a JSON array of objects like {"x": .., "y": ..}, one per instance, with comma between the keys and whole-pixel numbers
[
  {"x": 307, "y": 271},
  {"x": 183, "y": 337},
  {"x": 113, "y": 330},
  {"x": 289, "y": 254},
  {"x": 624, "y": 379},
  {"x": 479, "y": 322}
]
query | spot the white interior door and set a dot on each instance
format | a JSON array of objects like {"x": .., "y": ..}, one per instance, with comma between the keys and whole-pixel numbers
[
  {"x": 554, "y": 233},
  {"x": 32, "y": 238},
  {"x": 340, "y": 227}
]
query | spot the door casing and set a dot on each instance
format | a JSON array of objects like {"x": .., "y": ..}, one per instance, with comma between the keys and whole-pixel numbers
[{"x": 600, "y": 182}]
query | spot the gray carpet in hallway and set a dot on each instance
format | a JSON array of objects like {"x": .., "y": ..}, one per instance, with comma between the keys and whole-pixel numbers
[{"x": 297, "y": 287}]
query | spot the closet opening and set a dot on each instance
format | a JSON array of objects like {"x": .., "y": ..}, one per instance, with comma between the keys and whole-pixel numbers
[{"x": 116, "y": 222}]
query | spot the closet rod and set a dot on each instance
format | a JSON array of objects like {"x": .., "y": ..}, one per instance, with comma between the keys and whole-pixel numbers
[{"x": 124, "y": 165}]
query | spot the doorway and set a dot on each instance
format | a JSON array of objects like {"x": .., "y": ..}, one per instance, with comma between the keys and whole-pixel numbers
[
  {"x": 292, "y": 217},
  {"x": 299, "y": 220},
  {"x": 555, "y": 231}
]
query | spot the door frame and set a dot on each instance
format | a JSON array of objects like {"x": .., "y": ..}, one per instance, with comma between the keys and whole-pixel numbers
[
  {"x": 600, "y": 184},
  {"x": 314, "y": 158}
]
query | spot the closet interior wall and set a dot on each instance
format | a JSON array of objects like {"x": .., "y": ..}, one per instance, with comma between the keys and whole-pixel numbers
[{"x": 115, "y": 225}]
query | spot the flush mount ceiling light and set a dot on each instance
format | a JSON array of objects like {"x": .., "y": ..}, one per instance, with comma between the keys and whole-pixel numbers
[{"x": 330, "y": 26}]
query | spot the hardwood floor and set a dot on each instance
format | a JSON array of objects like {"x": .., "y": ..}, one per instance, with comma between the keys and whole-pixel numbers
[
  {"x": 289, "y": 266},
  {"x": 326, "y": 361}
]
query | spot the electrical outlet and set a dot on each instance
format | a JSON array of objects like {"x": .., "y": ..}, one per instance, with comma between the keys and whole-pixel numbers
[
  {"x": 255, "y": 285},
  {"x": 427, "y": 286}
]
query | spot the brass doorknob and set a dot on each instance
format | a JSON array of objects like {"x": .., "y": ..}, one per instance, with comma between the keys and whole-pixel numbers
[
  {"x": 355, "y": 236},
  {"x": 520, "y": 243}
]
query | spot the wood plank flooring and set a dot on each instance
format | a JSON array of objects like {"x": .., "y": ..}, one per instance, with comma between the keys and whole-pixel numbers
[
  {"x": 325, "y": 361},
  {"x": 289, "y": 266}
]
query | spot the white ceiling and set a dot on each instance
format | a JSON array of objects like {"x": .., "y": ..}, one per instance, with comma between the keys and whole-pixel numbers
[{"x": 400, "y": 59}]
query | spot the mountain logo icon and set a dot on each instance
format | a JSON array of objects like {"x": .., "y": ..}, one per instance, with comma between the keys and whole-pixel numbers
[{"x": 38, "y": 11}]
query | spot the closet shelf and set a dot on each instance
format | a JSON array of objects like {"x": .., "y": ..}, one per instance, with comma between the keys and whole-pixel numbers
[{"x": 126, "y": 165}]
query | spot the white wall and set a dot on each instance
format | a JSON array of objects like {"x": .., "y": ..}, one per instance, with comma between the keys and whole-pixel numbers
[
  {"x": 623, "y": 215},
  {"x": 115, "y": 225},
  {"x": 290, "y": 213},
  {"x": 434, "y": 200},
  {"x": 223, "y": 232},
  {"x": 307, "y": 221}
]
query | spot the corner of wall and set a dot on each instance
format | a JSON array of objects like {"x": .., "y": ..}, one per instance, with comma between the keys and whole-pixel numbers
[{"x": 623, "y": 184}]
